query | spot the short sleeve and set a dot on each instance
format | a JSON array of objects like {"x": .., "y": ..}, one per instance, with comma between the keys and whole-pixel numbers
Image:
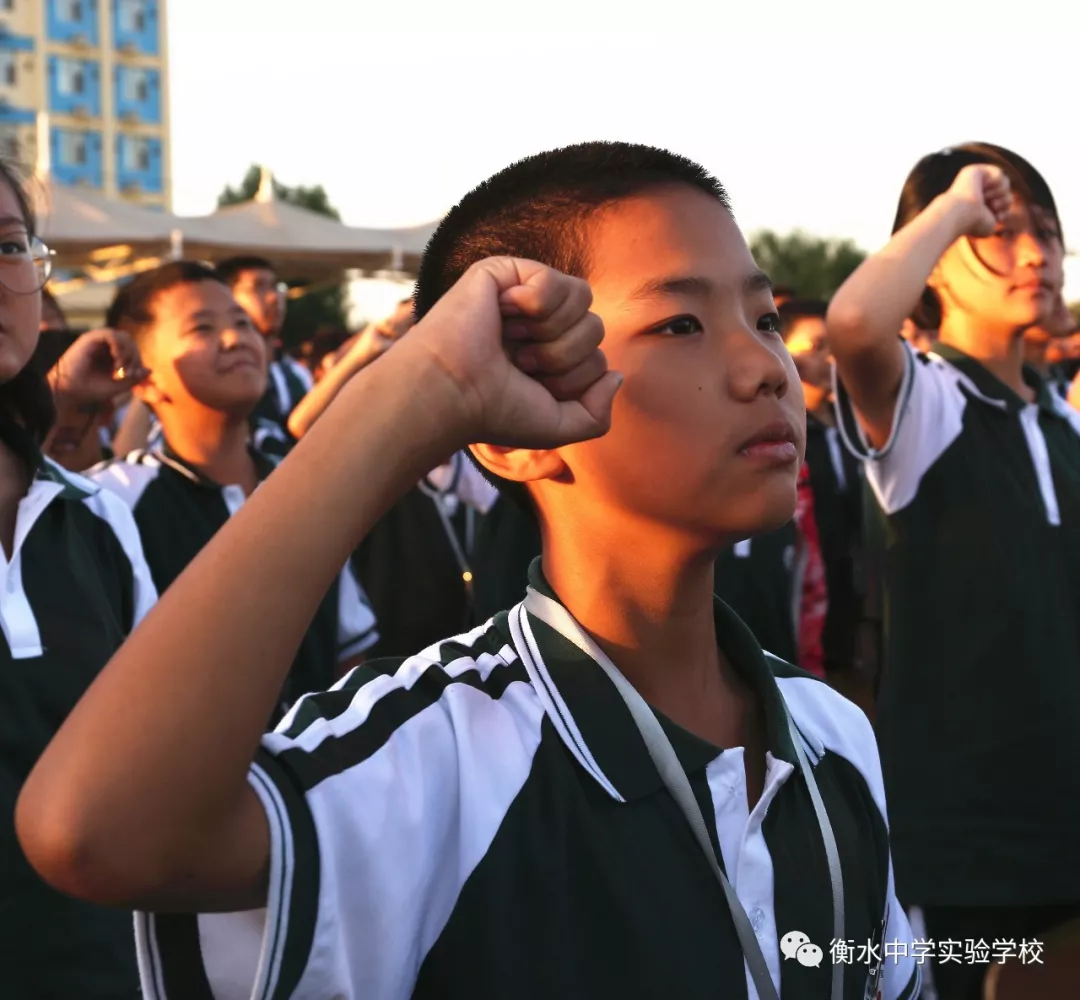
[
  {"x": 111, "y": 509},
  {"x": 928, "y": 419},
  {"x": 357, "y": 628},
  {"x": 382, "y": 796}
]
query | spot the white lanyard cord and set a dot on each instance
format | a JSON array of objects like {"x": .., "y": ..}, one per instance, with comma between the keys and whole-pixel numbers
[{"x": 674, "y": 777}]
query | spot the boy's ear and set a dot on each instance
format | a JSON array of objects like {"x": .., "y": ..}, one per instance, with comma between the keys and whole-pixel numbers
[{"x": 519, "y": 465}]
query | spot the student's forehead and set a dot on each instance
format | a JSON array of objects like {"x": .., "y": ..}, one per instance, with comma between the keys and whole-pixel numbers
[
  {"x": 184, "y": 299},
  {"x": 665, "y": 233}
]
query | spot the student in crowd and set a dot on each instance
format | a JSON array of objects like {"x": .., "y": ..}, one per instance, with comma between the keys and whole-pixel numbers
[
  {"x": 487, "y": 819},
  {"x": 74, "y": 584},
  {"x": 836, "y": 483},
  {"x": 975, "y": 466},
  {"x": 207, "y": 373},
  {"x": 416, "y": 563},
  {"x": 264, "y": 297}
]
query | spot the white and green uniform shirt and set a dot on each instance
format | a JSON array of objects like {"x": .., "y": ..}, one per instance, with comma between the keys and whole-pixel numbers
[
  {"x": 483, "y": 820},
  {"x": 178, "y": 511},
  {"x": 978, "y": 500},
  {"x": 75, "y": 584}
]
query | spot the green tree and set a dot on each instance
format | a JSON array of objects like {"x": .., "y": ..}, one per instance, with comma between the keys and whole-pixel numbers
[
  {"x": 317, "y": 310},
  {"x": 813, "y": 266}
]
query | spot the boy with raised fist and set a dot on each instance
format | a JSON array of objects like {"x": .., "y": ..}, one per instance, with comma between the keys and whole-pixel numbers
[{"x": 609, "y": 790}]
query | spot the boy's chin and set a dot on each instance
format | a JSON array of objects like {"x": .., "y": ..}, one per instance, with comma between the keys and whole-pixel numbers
[{"x": 770, "y": 513}]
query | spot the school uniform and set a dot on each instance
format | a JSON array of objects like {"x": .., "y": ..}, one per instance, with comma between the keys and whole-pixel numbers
[
  {"x": 75, "y": 585},
  {"x": 484, "y": 820},
  {"x": 416, "y": 562},
  {"x": 178, "y": 511},
  {"x": 836, "y": 480},
  {"x": 288, "y": 382},
  {"x": 978, "y": 494}
]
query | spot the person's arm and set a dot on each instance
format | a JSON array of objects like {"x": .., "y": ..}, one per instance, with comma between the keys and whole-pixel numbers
[
  {"x": 142, "y": 799},
  {"x": 867, "y": 313},
  {"x": 371, "y": 344}
]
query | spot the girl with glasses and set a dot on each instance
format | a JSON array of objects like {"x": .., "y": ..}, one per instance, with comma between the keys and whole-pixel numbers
[{"x": 73, "y": 583}]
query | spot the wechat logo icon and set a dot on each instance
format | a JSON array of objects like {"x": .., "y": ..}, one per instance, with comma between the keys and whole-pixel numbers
[{"x": 797, "y": 945}]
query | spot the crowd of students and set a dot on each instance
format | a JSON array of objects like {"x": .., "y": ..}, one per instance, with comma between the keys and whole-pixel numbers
[{"x": 481, "y": 661}]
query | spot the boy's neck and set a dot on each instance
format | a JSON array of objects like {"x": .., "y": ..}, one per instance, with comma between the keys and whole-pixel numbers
[
  {"x": 216, "y": 445},
  {"x": 651, "y": 611},
  {"x": 999, "y": 351}
]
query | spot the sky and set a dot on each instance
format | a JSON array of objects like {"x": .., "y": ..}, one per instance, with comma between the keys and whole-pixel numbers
[{"x": 811, "y": 114}]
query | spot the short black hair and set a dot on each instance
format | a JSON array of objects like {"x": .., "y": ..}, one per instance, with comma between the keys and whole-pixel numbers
[
  {"x": 132, "y": 308},
  {"x": 793, "y": 310},
  {"x": 934, "y": 174},
  {"x": 538, "y": 208},
  {"x": 231, "y": 269}
]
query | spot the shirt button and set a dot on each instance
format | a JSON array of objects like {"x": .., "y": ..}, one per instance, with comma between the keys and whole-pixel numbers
[{"x": 757, "y": 918}]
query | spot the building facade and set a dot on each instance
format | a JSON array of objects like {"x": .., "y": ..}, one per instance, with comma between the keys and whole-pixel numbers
[{"x": 99, "y": 68}]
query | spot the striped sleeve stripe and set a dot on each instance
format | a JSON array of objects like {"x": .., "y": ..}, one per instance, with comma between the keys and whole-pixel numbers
[
  {"x": 169, "y": 951},
  {"x": 394, "y": 705},
  {"x": 851, "y": 432}
]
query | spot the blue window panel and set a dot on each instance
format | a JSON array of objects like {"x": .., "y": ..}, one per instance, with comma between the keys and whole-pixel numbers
[
  {"x": 138, "y": 93},
  {"x": 74, "y": 85},
  {"x": 135, "y": 25},
  {"x": 68, "y": 20},
  {"x": 15, "y": 43},
  {"x": 16, "y": 116},
  {"x": 76, "y": 156},
  {"x": 138, "y": 164}
]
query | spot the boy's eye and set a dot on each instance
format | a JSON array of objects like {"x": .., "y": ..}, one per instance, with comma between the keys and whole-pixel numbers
[
  {"x": 769, "y": 323},
  {"x": 681, "y": 326},
  {"x": 13, "y": 246}
]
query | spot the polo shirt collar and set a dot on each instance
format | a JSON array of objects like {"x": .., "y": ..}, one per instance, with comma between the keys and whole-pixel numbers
[
  {"x": 589, "y": 706},
  {"x": 165, "y": 454},
  {"x": 991, "y": 389}
]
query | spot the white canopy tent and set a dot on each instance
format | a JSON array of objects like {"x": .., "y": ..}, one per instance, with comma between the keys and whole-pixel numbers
[{"x": 300, "y": 243}]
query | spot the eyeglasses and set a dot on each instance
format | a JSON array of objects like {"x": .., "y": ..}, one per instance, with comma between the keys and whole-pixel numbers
[{"x": 25, "y": 264}]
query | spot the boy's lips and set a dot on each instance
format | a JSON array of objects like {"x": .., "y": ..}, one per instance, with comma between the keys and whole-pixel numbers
[{"x": 775, "y": 443}]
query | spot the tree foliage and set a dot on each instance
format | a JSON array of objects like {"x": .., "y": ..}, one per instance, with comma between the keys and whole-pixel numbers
[
  {"x": 813, "y": 266},
  {"x": 319, "y": 310}
]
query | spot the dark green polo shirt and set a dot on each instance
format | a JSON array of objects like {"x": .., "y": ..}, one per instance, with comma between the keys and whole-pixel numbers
[
  {"x": 484, "y": 821},
  {"x": 979, "y": 499},
  {"x": 836, "y": 480},
  {"x": 75, "y": 585},
  {"x": 178, "y": 511}
]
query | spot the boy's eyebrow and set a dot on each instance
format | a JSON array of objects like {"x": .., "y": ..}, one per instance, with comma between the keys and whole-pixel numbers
[{"x": 755, "y": 281}]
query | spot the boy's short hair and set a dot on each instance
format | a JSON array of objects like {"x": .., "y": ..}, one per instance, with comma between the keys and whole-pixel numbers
[
  {"x": 132, "y": 308},
  {"x": 231, "y": 269},
  {"x": 793, "y": 310},
  {"x": 537, "y": 209}
]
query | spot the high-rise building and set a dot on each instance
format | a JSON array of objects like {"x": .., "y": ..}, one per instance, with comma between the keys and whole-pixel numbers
[{"x": 99, "y": 69}]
